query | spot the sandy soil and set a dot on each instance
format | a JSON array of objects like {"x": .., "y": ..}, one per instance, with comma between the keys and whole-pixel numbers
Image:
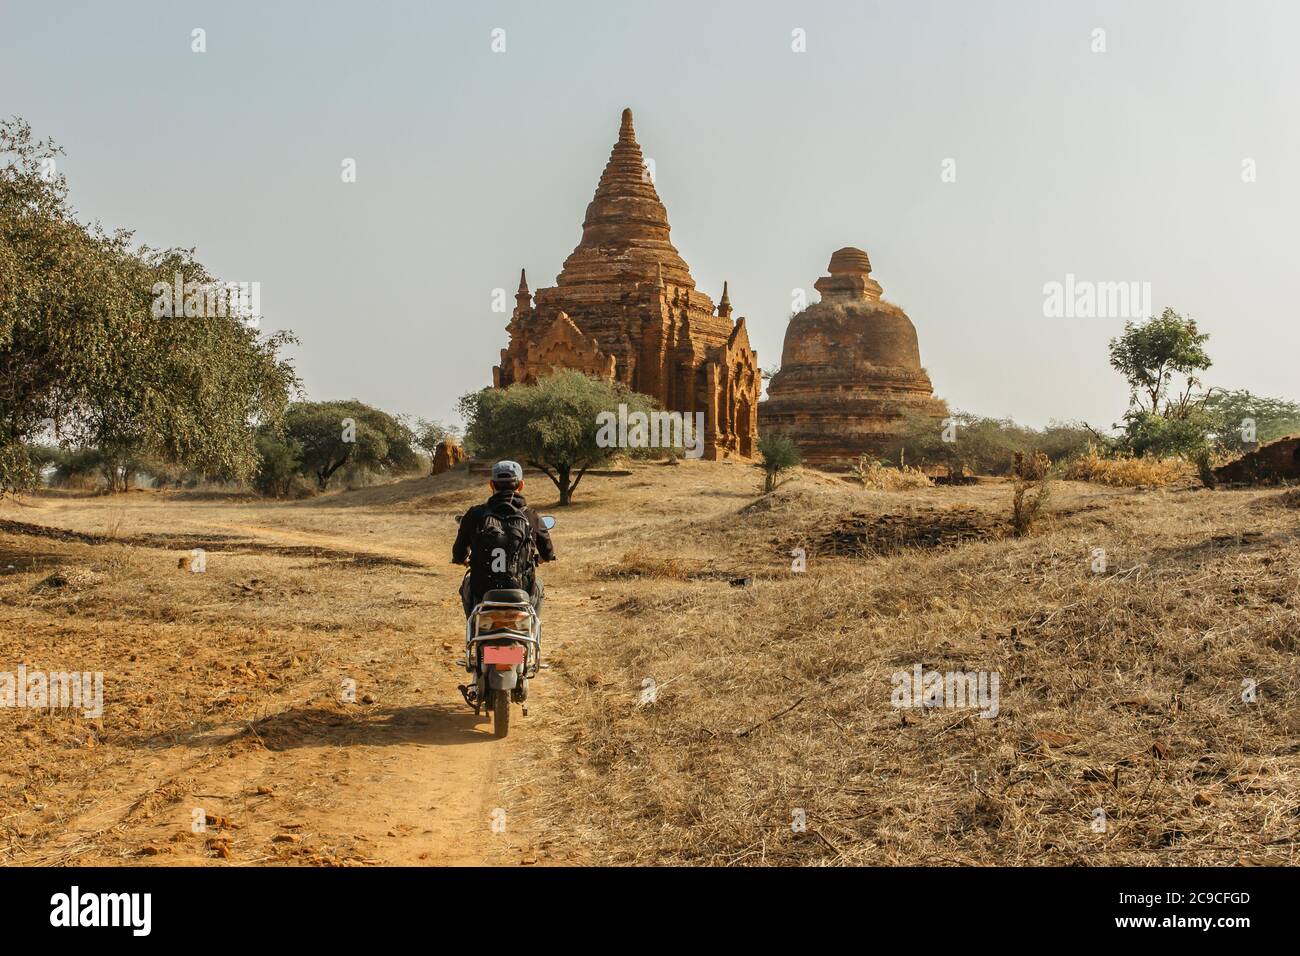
[{"x": 224, "y": 690}]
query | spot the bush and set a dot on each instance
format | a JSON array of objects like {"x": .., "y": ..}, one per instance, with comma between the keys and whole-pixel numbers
[
  {"x": 1229, "y": 413},
  {"x": 279, "y": 461},
  {"x": 1147, "y": 434},
  {"x": 1032, "y": 473},
  {"x": 777, "y": 454},
  {"x": 982, "y": 446}
]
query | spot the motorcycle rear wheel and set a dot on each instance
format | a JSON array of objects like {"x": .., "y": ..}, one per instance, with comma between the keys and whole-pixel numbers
[{"x": 500, "y": 713}]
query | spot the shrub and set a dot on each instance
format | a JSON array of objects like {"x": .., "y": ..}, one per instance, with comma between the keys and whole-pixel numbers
[
  {"x": 979, "y": 445},
  {"x": 279, "y": 459},
  {"x": 777, "y": 454},
  {"x": 1032, "y": 473}
]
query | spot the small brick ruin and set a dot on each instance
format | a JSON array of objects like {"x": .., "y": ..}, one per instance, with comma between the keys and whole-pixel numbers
[
  {"x": 1269, "y": 464},
  {"x": 625, "y": 308},
  {"x": 447, "y": 456},
  {"x": 850, "y": 370}
]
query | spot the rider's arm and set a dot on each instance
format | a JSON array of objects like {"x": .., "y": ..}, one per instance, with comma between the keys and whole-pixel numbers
[
  {"x": 545, "y": 549},
  {"x": 460, "y": 550}
]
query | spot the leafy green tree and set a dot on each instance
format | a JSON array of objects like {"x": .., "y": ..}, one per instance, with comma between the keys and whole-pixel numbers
[
  {"x": 83, "y": 356},
  {"x": 1234, "y": 414},
  {"x": 553, "y": 426},
  {"x": 330, "y": 435},
  {"x": 1151, "y": 353},
  {"x": 777, "y": 454},
  {"x": 279, "y": 463},
  {"x": 981, "y": 445},
  {"x": 49, "y": 265},
  {"x": 1160, "y": 436}
]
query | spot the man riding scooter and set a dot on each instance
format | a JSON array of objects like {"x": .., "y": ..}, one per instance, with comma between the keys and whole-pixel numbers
[
  {"x": 488, "y": 570},
  {"x": 502, "y": 541}
]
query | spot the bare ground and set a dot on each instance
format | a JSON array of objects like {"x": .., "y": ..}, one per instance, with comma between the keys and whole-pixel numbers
[{"x": 770, "y": 736}]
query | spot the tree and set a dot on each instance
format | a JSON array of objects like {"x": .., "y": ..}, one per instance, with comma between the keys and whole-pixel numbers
[
  {"x": 279, "y": 463},
  {"x": 1150, "y": 354},
  {"x": 1234, "y": 416},
  {"x": 190, "y": 390},
  {"x": 554, "y": 426},
  {"x": 83, "y": 357},
  {"x": 777, "y": 454},
  {"x": 1147, "y": 435},
  {"x": 329, "y": 435}
]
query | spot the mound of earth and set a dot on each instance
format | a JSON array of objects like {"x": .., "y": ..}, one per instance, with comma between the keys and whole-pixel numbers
[{"x": 925, "y": 528}]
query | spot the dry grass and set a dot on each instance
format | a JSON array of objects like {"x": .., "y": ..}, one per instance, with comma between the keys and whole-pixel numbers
[
  {"x": 1121, "y": 689},
  {"x": 641, "y": 562},
  {"x": 1124, "y": 472},
  {"x": 875, "y": 476}
]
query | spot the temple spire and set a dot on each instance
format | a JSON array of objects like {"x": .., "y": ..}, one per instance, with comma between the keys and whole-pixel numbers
[
  {"x": 724, "y": 304},
  {"x": 523, "y": 298},
  {"x": 625, "y": 232}
]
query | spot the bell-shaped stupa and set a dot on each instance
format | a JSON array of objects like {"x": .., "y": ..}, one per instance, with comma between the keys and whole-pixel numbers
[{"x": 850, "y": 370}]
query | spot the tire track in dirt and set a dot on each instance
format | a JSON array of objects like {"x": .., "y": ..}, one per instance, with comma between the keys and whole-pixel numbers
[{"x": 412, "y": 780}]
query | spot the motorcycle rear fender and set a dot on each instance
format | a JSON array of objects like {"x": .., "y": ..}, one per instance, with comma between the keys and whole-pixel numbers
[{"x": 503, "y": 680}]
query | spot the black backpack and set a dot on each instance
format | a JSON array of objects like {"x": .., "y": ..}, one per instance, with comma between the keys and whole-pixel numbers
[{"x": 501, "y": 553}]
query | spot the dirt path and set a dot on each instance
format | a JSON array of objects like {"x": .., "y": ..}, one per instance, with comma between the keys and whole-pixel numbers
[{"x": 412, "y": 779}]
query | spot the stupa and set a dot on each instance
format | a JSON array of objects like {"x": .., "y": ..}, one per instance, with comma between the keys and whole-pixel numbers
[
  {"x": 624, "y": 307},
  {"x": 850, "y": 370}
]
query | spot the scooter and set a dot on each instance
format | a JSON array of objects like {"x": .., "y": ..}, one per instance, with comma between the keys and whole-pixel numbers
[{"x": 503, "y": 650}]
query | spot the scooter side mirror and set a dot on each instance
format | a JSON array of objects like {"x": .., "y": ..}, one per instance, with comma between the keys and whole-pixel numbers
[{"x": 548, "y": 522}]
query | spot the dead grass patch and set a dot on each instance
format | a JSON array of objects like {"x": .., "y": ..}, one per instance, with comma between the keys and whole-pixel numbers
[
  {"x": 872, "y": 474},
  {"x": 1124, "y": 472},
  {"x": 1289, "y": 498},
  {"x": 771, "y": 738}
]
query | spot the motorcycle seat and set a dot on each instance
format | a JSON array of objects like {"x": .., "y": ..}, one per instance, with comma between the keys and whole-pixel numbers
[{"x": 508, "y": 596}]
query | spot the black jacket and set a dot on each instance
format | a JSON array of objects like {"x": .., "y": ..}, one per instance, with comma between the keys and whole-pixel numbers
[{"x": 470, "y": 522}]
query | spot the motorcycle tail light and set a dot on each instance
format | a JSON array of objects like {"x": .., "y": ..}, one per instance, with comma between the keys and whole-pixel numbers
[{"x": 513, "y": 620}]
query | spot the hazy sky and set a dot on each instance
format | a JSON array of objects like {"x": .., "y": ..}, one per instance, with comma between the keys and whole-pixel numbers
[{"x": 1123, "y": 165}]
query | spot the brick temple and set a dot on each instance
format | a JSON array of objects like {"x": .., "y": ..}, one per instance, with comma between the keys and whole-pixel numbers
[
  {"x": 625, "y": 307},
  {"x": 850, "y": 372}
]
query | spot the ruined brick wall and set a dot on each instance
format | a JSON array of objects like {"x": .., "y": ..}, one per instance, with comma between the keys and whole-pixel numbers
[{"x": 1277, "y": 461}]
